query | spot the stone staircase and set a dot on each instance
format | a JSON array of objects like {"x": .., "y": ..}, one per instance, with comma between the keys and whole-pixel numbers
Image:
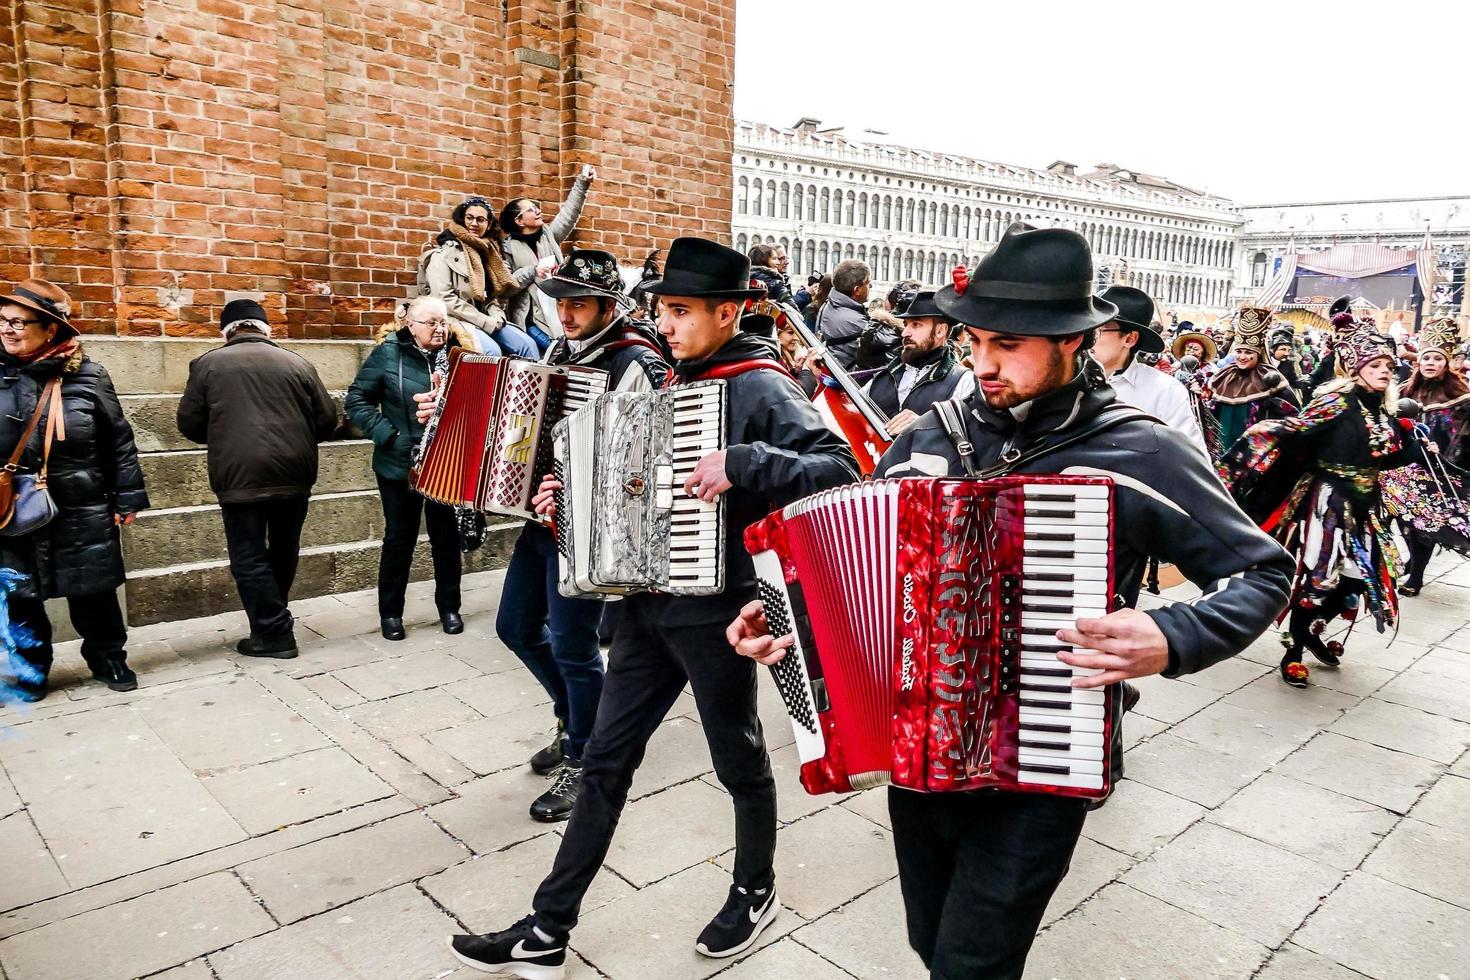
[{"x": 175, "y": 553}]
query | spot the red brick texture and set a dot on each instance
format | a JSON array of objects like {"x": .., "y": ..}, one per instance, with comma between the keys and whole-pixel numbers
[{"x": 164, "y": 156}]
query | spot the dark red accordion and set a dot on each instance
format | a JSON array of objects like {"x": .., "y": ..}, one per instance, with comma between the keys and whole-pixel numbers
[{"x": 925, "y": 614}]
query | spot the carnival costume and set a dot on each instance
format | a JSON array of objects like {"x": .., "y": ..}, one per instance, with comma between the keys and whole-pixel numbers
[
  {"x": 1430, "y": 500},
  {"x": 1239, "y": 397},
  {"x": 1194, "y": 372},
  {"x": 1312, "y": 480}
]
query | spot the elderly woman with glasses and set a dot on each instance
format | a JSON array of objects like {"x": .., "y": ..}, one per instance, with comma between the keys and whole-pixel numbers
[
  {"x": 533, "y": 249},
  {"x": 381, "y": 404},
  {"x": 464, "y": 268},
  {"x": 94, "y": 480}
]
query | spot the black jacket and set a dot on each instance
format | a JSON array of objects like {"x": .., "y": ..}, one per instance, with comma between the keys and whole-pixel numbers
[
  {"x": 936, "y": 383},
  {"x": 778, "y": 290},
  {"x": 777, "y": 450},
  {"x": 380, "y": 401},
  {"x": 623, "y": 348},
  {"x": 262, "y": 410},
  {"x": 1169, "y": 505},
  {"x": 93, "y": 474}
]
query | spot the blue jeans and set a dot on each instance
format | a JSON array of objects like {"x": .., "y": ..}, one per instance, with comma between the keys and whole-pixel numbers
[
  {"x": 555, "y": 636},
  {"x": 514, "y": 340}
]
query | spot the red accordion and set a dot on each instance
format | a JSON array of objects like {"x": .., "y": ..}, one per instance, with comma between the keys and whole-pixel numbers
[
  {"x": 925, "y": 614},
  {"x": 488, "y": 444}
]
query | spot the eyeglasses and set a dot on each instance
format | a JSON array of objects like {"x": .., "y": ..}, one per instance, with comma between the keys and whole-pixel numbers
[
  {"x": 436, "y": 324},
  {"x": 16, "y": 324},
  {"x": 533, "y": 209}
]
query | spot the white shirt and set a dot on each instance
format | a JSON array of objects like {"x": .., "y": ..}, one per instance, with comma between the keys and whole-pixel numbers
[
  {"x": 910, "y": 377},
  {"x": 1146, "y": 387}
]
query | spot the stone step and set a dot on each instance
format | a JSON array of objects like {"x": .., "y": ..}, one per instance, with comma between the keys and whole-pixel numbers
[
  {"x": 155, "y": 365},
  {"x": 185, "y": 535},
  {"x": 188, "y": 590},
  {"x": 154, "y": 418},
  {"x": 181, "y": 478}
]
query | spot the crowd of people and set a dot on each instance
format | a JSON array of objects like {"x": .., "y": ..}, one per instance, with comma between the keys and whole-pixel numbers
[{"x": 1268, "y": 466}]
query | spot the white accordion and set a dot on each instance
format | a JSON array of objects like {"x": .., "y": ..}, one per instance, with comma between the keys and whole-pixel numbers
[{"x": 623, "y": 521}]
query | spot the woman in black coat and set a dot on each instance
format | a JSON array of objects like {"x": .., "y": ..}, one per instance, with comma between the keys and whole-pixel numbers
[{"x": 94, "y": 479}]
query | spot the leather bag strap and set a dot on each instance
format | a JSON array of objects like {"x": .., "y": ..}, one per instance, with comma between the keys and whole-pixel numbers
[{"x": 53, "y": 388}]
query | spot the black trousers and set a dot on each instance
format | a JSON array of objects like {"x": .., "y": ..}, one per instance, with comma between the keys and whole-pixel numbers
[
  {"x": 402, "y": 510},
  {"x": 977, "y": 871},
  {"x": 648, "y": 667},
  {"x": 264, "y": 541},
  {"x": 98, "y": 620},
  {"x": 1421, "y": 549}
]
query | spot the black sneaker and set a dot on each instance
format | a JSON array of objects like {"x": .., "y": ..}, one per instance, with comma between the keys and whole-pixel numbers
[
  {"x": 547, "y": 759},
  {"x": 517, "y": 951},
  {"x": 116, "y": 674},
  {"x": 740, "y": 922},
  {"x": 556, "y": 803}
]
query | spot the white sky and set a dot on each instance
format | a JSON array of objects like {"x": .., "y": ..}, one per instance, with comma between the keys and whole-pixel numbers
[{"x": 1262, "y": 101}]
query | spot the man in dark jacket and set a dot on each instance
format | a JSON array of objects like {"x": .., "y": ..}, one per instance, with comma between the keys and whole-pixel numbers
[
  {"x": 926, "y": 369},
  {"x": 763, "y": 270},
  {"x": 978, "y": 868},
  {"x": 844, "y": 316},
  {"x": 262, "y": 410},
  {"x": 777, "y": 451}
]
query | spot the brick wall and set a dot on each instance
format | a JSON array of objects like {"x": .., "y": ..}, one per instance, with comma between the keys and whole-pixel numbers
[{"x": 163, "y": 156}]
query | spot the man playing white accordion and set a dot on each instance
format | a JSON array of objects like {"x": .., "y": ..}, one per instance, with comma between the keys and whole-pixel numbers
[{"x": 977, "y": 868}]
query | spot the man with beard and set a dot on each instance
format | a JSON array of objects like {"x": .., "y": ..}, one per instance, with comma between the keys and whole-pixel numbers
[
  {"x": 1118, "y": 344},
  {"x": 1248, "y": 391},
  {"x": 926, "y": 370},
  {"x": 1284, "y": 354},
  {"x": 978, "y": 868}
]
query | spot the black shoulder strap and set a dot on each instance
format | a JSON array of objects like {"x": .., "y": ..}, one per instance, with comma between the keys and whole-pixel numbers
[
  {"x": 952, "y": 417},
  {"x": 1109, "y": 419}
]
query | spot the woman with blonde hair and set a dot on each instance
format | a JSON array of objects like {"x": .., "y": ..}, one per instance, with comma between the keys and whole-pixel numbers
[{"x": 381, "y": 404}]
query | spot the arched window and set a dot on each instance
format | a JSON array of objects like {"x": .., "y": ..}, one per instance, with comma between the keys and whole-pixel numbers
[
  {"x": 740, "y": 243},
  {"x": 934, "y": 218},
  {"x": 796, "y": 250},
  {"x": 826, "y": 206},
  {"x": 847, "y": 251},
  {"x": 770, "y": 199},
  {"x": 797, "y": 201},
  {"x": 887, "y": 212},
  {"x": 811, "y": 202},
  {"x": 758, "y": 197},
  {"x": 785, "y": 199},
  {"x": 742, "y": 195},
  {"x": 1258, "y": 270},
  {"x": 944, "y": 219},
  {"x": 851, "y": 208},
  {"x": 863, "y": 209},
  {"x": 884, "y": 269},
  {"x": 823, "y": 264}
]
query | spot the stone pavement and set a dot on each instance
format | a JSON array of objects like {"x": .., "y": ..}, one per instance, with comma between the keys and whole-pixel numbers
[{"x": 338, "y": 815}]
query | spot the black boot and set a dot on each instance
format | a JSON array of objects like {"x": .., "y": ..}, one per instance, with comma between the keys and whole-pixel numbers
[
  {"x": 392, "y": 628},
  {"x": 556, "y": 803},
  {"x": 279, "y": 647},
  {"x": 554, "y": 754},
  {"x": 452, "y": 623},
  {"x": 116, "y": 674}
]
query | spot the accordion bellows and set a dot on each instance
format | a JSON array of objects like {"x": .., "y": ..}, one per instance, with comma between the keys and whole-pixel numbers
[
  {"x": 925, "y": 613},
  {"x": 623, "y": 521},
  {"x": 488, "y": 443}
]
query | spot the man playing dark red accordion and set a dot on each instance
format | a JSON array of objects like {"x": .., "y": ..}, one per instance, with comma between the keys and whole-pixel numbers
[{"x": 978, "y": 868}]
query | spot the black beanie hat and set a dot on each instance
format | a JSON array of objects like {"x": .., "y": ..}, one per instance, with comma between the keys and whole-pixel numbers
[{"x": 241, "y": 309}]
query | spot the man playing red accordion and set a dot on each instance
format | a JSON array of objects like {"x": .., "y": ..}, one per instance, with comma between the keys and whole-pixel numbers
[{"x": 977, "y": 868}]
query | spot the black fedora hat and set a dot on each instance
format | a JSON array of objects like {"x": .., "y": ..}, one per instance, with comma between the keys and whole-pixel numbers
[
  {"x": 923, "y": 305},
  {"x": 1136, "y": 312},
  {"x": 587, "y": 272},
  {"x": 700, "y": 267},
  {"x": 1036, "y": 282}
]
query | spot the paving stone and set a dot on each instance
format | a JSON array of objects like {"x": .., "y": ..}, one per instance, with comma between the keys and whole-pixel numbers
[
  {"x": 486, "y": 654},
  {"x": 1219, "y": 875},
  {"x": 193, "y": 970},
  {"x": 827, "y": 859},
  {"x": 1092, "y": 867},
  {"x": 332, "y": 691},
  {"x": 1139, "y": 819},
  {"x": 502, "y": 693},
  {"x": 1316, "y": 706},
  {"x": 109, "y": 797},
  {"x": 1446, "y": 803},
  {"x": 493, "y": 891},
  {"x": 1426, "y": 858},
  {"x": 31, "y": 873},
  {"x": 1435, "y": 615},
  {"x": 649, "y": 935},
  {"x": 1228, "y": 675},
  {"x": 1199, "y": 773},
  {"x": 398, "y": 935},
  {"x": 413, "y": 672},
  {"x": 492, "y": 812},
  {"x": 318, "y": 876},
  {"x": 494, "y": 744},
  {"x": 871, "y": 803},
  {"x": 1108, "y": 937},
  {"x": 431, "y": 760},
  {"x": 1245, "y": 733},
  {"x": 288, "y": 791},
  {"x": 785, "y": 959},
  {"x": 1138, "y": 728},
  {"x": 866, "y": 937},
  {"x": 1395, "y": 726},
  {"x": 9, "y": 800},
  {"x": 670, "y": 831},
  {"x": 1291, "y": 962},
  {"x": 1385, "y": 930},
  {"x": 1358, "y": 680},
  {"x": 162, "y": 929},
  {"x": 227, "y": 725},
  {"x": 1170, "y": 701},
  {"x": 1316, "y": 823},
  {"x": 415, "y": 713},
  {"x": 1393, "y": 780},
  {"x": 1436, "y": 684},
  {"x": 677, "y": 753},
  {"x": 1369, "y": 650}
]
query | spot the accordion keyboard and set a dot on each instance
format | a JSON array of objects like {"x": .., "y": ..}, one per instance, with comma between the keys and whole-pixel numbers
[
  {"x": 694, "y": 528},
  {"x": 1064, "y": 577}
]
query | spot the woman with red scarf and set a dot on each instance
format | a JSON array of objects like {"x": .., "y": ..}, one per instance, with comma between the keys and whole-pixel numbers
[{"x": 94, "y": 480}]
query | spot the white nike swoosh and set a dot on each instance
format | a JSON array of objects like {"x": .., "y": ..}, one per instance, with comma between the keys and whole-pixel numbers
[
  {"x": 519, "y": 952},
  {"x": 755, "y": 914}
]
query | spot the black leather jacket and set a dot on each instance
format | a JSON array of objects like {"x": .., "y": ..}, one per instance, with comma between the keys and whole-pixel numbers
[{"x": 1169, "y": 505}]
